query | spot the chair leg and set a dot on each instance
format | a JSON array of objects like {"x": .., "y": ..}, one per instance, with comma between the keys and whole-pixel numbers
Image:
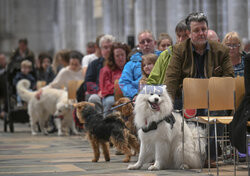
[
  {"x": 234, "y": 161},
  {"x": 247, "y": 156},
  {"x": 208, "y": 152},
  {"x": 183, "y": 139},
  {"x": 199, "y": 144},
  {"x": 216, "y": 146}
]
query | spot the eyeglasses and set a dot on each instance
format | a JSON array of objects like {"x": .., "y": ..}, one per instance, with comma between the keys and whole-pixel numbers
[
  {"x": 142, "y": 42},
  {"x": 232, "y": 45}
]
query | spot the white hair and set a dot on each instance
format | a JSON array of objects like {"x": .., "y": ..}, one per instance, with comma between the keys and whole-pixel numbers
[{"x": 105, "y": 38}]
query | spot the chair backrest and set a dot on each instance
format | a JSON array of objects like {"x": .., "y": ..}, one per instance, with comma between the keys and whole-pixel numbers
[
  {"x": 239, "y": 90},
  {"x": 117, "y": 90},
  {"x": 221, "y": 93},
  {"x": 40, "y": 84},
  {"x": 195, "y": 93},
  {"x": 73, "y": 85}
]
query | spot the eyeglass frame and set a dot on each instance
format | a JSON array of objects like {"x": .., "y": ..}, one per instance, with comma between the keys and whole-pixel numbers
[{"x": 233, "y": 46}]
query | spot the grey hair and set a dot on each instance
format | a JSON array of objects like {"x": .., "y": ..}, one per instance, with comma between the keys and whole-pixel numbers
[
  {"x": 196, "y": 16},
  {"x": 105, "y": 38}
]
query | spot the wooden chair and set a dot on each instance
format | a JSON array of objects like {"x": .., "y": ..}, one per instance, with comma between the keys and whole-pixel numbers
[
  {"x": 217, "y": 93},
  {"x": 221, "y": 96},
  {"x": 239, "y": 90},
  {"x": 73, "y": 85},
  {"x": 194, "y": 96},
  {"x": 117, "y": 90}
]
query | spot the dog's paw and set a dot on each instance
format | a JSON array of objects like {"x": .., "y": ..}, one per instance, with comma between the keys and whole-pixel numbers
[
  {"x": 153, "y": 168},
  {"x": 59, "y": 133},
  {"x": 126, "y": 160},
  {"x": 94, "y": 160},
  {"x": 184, "y": 166},
  {"x": 33, "y": 133},
  {"x": 134, "y": 166}
]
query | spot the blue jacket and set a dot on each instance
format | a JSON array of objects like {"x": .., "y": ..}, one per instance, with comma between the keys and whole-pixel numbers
[
  {"x": 131, "y": 75},
  {"x": 29, "y": 77}
]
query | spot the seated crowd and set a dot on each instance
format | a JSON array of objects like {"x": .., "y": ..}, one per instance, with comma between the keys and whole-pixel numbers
[{"x": 197, "y": 53}]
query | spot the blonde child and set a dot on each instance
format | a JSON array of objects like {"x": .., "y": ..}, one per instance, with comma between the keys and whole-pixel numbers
[
  {"x": 25, "y": 73},
  {"x": 147, "y": 64}
]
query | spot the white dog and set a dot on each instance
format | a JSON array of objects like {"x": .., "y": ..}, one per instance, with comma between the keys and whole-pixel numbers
[
  {"x": 51, "y": 102},
  {"x": 160, "y": 134}
]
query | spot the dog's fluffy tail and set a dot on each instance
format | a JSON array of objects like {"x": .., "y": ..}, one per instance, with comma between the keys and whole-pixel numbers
[
  {"x": 22, "y": 90},
  {"x": 199, "y": 148}
]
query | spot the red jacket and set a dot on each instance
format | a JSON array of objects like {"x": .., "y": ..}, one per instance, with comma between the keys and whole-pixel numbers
[{"x": 107, "y": 79}]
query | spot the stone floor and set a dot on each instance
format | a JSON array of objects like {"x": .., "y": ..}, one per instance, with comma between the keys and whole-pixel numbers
[{"x": 22, "y": 154}]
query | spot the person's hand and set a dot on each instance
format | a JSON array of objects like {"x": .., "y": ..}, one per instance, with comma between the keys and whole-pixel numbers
[
  {"x": 38, "y": 94},
  {"x": 99, "y": 94},
  {"x": 134, "y": 98}
]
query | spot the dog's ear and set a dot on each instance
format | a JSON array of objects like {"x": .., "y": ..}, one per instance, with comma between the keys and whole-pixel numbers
[{"x": 164, "y": 87}]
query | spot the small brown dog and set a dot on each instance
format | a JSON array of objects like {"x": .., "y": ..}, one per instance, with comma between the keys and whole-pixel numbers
[
  {"x": 100, "y": 130},
  {"x": 127, "y": 113}
]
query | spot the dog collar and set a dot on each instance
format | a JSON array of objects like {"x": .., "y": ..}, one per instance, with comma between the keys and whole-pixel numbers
[{"x": 153, "y": 125}]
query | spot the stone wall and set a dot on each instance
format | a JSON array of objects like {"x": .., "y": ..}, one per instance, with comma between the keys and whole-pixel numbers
[{"x": 51, "y": 25}]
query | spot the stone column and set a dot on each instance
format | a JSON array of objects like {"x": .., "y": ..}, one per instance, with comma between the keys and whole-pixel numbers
[
  {"x": 85, "y": 26},
  {"x": 113, "y": 18},
  {"x": 143, "y": 16},
  {"x": 210, "y": 10},
  {"x": 159, "y": 16},
  {"x": 238, "y": 17},
  {"x": 222, "y": 18},
  {"x": 129, "y": 24},
  {"x": 177, "y": 10},
  {"x": 7, "y": 42}
]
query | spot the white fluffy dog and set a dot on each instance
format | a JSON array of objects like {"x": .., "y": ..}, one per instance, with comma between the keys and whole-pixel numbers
[
  {"x": 160, "y": 134},
  {"x": 51, "y": 102}
]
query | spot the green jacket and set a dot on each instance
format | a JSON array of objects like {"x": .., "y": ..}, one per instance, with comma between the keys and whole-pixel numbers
[
  {"x": 158, "y": 73},
  {"x": 217, "y": 64}
]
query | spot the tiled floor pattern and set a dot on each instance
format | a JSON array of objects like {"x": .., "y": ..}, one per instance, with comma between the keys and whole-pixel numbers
[{"x": 23, "y": 155}]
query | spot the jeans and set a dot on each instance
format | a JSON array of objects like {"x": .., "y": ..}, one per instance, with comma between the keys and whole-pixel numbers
[
  {"x": 96, "y": 99},
  {"x": 107, "y": 104}
]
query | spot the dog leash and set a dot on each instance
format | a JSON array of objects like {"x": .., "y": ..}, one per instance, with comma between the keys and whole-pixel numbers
[
  {"x": 115, "y": 107},
  {"x": 120, "y": 105},
  {"x": 153, "y": 125}
]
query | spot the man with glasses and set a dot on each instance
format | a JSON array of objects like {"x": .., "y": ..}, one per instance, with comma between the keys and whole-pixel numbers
[
  {"x": 157, "y": 75},
  {"x": 89, "y": 90},
  {"x": 131, "y": 74},
  {"x": 197, "y": 57}
]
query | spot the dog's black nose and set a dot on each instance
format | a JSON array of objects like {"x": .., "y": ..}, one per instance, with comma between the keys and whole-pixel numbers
[{"x": 156, "y": 100}]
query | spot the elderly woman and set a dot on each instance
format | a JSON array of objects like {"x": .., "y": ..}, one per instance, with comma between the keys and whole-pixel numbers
[
  {"x": 233, "y": 41},
  {"x": 111, "y": 72}
]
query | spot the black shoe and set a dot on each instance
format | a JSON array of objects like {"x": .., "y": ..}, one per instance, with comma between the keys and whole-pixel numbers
[
  {"x": 242, "y": 159},
  {"x": 53, "y": 130}
]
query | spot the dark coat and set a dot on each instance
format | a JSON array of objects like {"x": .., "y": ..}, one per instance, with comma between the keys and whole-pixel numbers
[
  {"x": 238, "y": 128},
  {"x": 91, "y": 82}
]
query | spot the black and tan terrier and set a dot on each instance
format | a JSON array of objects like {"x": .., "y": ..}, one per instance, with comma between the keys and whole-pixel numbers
[
  {"x": 102, "y": 130},
  {"x": 127, "y": 113}
]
